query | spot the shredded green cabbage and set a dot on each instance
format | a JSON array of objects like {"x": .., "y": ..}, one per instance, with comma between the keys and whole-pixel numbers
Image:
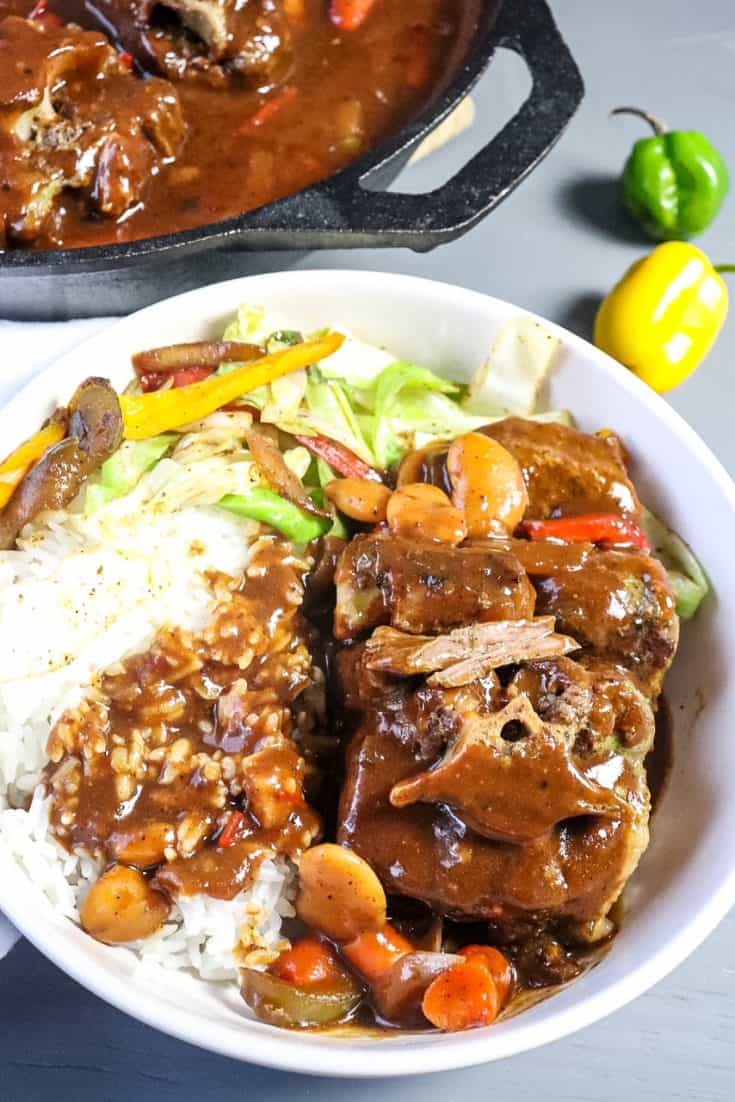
[
  {"x": 510, "y": 380},
  {"x": 122, "y": 471},
  {"x": 688, "y": 580},
  {"x": 356, "y": 364},
  {"x": 376, "y": 406},
  {"x": 379, "y": 407}
]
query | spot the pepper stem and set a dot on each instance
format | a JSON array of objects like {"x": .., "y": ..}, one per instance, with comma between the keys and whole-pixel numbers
[
  {"x": 724, "y": 267},
  {"x": 655, "y": 123}
]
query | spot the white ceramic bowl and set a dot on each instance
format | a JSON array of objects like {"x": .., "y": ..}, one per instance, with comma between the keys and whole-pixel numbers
[{"x": 686, "y": 881}]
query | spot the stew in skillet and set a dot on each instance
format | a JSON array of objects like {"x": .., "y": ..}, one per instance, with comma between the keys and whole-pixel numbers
[{"x": 122, "y": 119}]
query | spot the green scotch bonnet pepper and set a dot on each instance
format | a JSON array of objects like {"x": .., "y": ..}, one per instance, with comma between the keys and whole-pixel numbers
[{"x": 674, "y": 182}]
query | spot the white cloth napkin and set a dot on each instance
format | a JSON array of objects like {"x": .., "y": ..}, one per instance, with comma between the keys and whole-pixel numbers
[{"x": 26, "y": 348}]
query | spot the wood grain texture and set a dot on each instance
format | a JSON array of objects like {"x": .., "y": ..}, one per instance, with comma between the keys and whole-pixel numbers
[{"x": 60, "y": 1044}]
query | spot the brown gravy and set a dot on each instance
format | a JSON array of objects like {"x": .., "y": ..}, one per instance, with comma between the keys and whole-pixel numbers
[
  {"x": 180, "y": 737},
  {"x": 660, "y": 760},
  {"x": 343, "y": 92}
]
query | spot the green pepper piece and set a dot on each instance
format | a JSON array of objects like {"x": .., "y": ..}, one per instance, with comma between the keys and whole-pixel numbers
[
  {"x": 674, "y": 183},
  {"x": 281, "y": 1003},
  {"x": 283, "y": 515}
]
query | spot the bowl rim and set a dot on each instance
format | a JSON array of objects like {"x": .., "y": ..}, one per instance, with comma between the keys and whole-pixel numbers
[{"x": 340, "y": 1057}]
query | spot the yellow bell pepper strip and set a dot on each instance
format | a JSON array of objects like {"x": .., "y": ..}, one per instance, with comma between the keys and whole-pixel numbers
[
  {"x": 664, "y": 315},
  {"x": 160, "y": 411},
  {"x": 18, "y": 463}
]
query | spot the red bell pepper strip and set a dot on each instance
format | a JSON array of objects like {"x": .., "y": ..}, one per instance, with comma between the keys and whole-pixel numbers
[
  {"x": 154, "y": 380},
  {"x": 228, "y": 837},
  {"x": 339, "y": 458},
  {"x": 588, "y": 528},
  {"x": 270, "y": 108},
  {"x": 191, "y": 375},
  {"x": 350, "y": 14}
]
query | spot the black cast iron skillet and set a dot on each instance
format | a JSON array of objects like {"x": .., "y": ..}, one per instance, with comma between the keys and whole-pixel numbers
[{"x": 343, "y": 212}]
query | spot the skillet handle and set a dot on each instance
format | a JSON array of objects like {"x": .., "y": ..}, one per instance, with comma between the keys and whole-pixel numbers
[{"x": 341, "y": 213}]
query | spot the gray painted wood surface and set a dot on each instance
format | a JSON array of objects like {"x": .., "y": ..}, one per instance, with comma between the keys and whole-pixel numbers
[{"x": 555, "y": 246}]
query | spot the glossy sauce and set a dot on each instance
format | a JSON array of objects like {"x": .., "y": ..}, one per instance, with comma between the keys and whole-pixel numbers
[
  {"x": 540, "y": 820},
  {"x": 428, "y": 851},
  {"x": 660, "y": 761},
  {"x": 150, "y": 768},
  {"x": 345, "y": 90}
]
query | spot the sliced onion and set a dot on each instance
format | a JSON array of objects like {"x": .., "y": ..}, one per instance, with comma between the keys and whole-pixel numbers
[
  {"x": 174, "y": 357},
  {"x": 274, "y": 468},
  {"x": 95, "y": 431}
]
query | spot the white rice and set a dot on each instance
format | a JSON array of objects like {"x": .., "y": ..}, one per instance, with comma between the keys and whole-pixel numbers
[
  {"x": 73, "y": 602},
  {"x": 203, "y": 931}
]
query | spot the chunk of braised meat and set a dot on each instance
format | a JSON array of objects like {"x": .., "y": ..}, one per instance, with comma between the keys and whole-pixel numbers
[
  {"x": 423, "y": 588},
  {"x": 207, "y": 40},
  {"x": 596, "y": 697},
  {"x": 510, "y": 776},
  {"x": 319, "y": 582},
  {"x": 619, "y": 606},
  {"x": 359, "y": 686},
  {"x": 584, "y": 740},
  {"x": 542, "y": 961},
  {"x": 73, "y": 116},
  {"x": 465, "y": 654},
  {"x": 567, "y": 471}
]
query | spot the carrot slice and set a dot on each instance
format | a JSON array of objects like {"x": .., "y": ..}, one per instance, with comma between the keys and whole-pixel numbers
[
  {"x": 350, "y": 14},
  {"x": 463, "y": 997},
  {"x": 375, "y": 952},
  {"x": 228, "y": 837},
  {"x": 497, "y": 965},
  {"x": 310, "y": 962}
]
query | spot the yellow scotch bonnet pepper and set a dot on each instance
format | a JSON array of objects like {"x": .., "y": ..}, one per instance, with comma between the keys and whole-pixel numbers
[{"x": 664, "y": 315}]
